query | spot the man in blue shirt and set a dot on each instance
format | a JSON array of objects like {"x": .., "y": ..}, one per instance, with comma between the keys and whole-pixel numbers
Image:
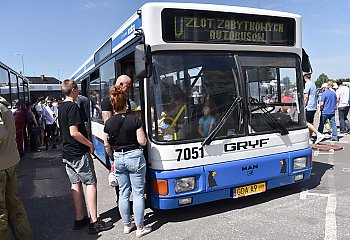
[
  {"x": 328, "y": 106},
  {"x": 310, "y": 101}
]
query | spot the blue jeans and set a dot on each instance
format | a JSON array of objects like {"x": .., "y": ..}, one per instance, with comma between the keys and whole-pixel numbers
[
  {"x": 331, "y": 119},
  {"x": 343, "y": 119},
  {"x": 130, "y": 168}
]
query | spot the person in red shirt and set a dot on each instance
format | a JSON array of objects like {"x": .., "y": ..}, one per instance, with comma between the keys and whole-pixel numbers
[{"x": 286, "y": 99}]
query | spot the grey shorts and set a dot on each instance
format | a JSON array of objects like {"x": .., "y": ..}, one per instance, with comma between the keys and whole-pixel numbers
[{"x": 81, "y": 170}]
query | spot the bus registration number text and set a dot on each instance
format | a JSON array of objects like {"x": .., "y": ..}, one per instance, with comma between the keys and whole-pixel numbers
[{"x": 249, "y": 190}]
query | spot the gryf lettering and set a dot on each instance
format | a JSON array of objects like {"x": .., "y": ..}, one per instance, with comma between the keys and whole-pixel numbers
[{"x": 245, "y": 145}]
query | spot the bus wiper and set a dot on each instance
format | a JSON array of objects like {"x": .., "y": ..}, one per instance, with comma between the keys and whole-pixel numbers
[
  {"x": 269, "y": 118},
  {"x": 215, "y": 131}
]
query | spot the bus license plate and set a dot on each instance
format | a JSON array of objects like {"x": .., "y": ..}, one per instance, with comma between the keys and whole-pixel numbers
[{"x": 249, "y": 190}]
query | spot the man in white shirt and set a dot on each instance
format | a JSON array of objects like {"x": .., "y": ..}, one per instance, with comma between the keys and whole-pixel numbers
[
  {"x": 343, "y": 106},
  {"x": 50, "y": 113}
]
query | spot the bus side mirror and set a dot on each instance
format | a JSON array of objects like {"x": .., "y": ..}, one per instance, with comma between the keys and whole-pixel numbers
[{"x": 143, "y": 61}]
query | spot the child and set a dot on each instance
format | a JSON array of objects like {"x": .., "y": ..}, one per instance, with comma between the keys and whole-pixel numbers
[{"x": 208, "y": 122}]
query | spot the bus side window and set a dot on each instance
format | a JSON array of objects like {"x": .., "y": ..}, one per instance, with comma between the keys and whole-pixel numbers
[{"x": 127, "y": 67}]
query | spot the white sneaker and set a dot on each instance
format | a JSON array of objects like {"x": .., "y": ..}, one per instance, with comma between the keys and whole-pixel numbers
[
  {"x": 128, "y": 229},
  {"x": 143, "y": 232},
  {"x": 319, "y": 138}
]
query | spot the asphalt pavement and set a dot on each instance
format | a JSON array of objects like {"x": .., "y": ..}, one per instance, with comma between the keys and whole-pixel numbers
[{"x": 316, "y": 209}]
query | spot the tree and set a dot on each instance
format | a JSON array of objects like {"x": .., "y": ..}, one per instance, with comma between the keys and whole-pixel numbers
[{"x": 323, "y": 78}]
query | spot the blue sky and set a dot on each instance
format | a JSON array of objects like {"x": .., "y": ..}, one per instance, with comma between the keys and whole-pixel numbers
[{"x": 55, "y": 37}]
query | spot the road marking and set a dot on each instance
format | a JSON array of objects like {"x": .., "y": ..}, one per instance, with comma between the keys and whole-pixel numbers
[
  {"x": 306, "y": 193},
  {"x": 303, "y": 194},
  {"x": 331, "y": 221},
  {"x": 330, "y": 152}
]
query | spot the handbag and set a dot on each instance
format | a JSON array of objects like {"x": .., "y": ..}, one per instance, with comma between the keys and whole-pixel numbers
[{"x": 112, "y": 178}]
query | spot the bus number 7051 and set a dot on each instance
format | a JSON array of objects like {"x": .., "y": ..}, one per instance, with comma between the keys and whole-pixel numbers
[{"x": 190, "y": 153}]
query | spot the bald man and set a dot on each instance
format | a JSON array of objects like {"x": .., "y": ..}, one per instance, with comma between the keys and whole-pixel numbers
[{"x": 107, "y": 110}]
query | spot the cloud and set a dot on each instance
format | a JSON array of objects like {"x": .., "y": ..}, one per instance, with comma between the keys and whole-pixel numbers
[
  {"x": 90, "y": 5},
  {"x": 95, "y": 4}
]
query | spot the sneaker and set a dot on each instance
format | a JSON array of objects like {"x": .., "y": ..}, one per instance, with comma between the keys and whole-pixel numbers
[
  {"x": 319, "y": 138},
  {"x": 310, "y": 141},
  {"x": 47, "y": 147},
  {"x": 79, "y": 224},
  {"x": 334, "y": 140},
  {"x": 143, "y": 232},
  {"x": 128, "y": 229},
  {"x": 99, "y": 226}
]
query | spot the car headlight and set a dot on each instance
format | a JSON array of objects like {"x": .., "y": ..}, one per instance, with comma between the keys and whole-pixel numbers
[
  {"x": 185, "y": 184},
  {"x": 300, "y": 163}
]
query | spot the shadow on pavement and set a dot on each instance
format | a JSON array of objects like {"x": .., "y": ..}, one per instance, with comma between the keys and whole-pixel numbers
[{"x": 45, "y": 192}]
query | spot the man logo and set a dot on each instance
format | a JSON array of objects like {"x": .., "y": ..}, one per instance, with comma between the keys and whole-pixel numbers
[{"x": 248, "y": 168}]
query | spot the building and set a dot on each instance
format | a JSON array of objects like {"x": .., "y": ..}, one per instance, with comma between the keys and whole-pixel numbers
[{"x": 44, "y": 86}]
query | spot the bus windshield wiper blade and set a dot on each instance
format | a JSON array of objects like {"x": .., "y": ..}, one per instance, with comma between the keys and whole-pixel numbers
[
  {"x": 269, "y": 118},
  {"x": 215, "y": 131}
]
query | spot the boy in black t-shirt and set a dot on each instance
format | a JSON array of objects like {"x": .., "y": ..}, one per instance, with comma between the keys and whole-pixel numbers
[{"x": 76, "y": 149}]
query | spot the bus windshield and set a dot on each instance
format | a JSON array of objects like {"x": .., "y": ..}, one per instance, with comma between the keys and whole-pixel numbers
[{"x": 192, "y": 92}]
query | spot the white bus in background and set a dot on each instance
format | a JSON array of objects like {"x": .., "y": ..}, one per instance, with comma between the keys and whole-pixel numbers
[
  {"x": 14, "y": 88},
  {"x": 230, "y": 55}
]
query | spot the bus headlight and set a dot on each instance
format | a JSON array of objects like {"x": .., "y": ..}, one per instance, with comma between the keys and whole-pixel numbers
[
  {"x": 300, "y": 163},
  {"x": 185, "y": 184}
]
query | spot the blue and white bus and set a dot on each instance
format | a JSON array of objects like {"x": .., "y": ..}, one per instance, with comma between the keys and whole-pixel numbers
[{"x": 245, "y": 63}]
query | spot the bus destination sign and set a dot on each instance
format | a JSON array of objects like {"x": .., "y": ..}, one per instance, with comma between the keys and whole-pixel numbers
[{"x": 180, "y": 25}]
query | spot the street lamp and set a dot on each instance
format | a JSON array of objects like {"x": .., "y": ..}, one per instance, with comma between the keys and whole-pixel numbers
[{"x": 20, "y": 54}]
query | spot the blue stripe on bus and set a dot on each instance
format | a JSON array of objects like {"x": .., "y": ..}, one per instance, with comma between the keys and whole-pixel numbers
[
  {"x": 83, "y": 69},
  {"x": 127, "y": 32},
  {"x": 118, "y": 39},
  {"x": 216, "y": 181}
]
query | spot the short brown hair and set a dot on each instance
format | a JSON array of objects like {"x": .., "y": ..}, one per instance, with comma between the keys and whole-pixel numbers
[{"x": 67, "y": 86}]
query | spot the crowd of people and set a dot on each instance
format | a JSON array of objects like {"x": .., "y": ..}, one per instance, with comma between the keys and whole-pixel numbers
[
  {"x": 41, "y": 122},
  {"x": 331, "y": 98}
]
